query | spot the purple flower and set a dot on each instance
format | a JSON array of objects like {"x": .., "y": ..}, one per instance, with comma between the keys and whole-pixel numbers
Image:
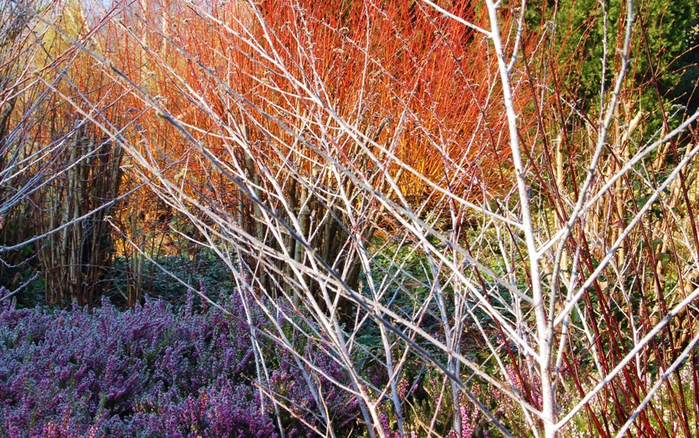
[{"x": 151, "y": 371}]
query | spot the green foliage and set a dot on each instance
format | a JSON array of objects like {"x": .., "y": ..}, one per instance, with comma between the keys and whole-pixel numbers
[
  {"x": 202, "y": 270},
  {"x": 663, "y": 50}
]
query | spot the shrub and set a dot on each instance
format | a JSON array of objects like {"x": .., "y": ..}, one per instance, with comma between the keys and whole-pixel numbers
[{"x": 149, "y": 371}]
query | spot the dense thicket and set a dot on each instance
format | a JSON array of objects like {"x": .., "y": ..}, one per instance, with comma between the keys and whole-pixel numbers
[{"x": 479, "y": 215}]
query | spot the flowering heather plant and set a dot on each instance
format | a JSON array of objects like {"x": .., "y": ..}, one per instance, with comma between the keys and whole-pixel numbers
[{"x": 148, "y": 371}]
